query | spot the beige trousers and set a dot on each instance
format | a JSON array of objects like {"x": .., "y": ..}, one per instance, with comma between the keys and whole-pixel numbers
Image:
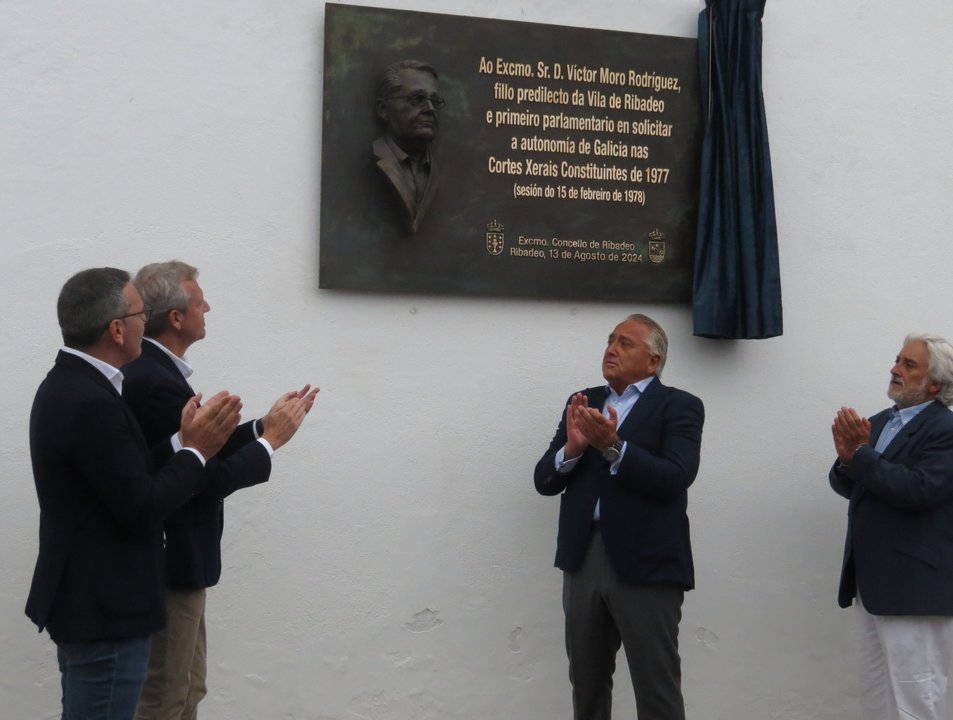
[{"x": 175, "y": 682}]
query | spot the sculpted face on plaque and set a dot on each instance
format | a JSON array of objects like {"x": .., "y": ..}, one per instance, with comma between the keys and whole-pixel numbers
[{"x": 408, "y": 105}]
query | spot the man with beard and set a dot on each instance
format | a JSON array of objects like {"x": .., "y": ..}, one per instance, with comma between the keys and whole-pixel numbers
[
  {"x": 407, "y": 103},
  {"x": 897, "y": 471}
]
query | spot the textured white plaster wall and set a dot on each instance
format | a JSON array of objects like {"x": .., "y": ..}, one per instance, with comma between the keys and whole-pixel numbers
[{"x": 398, "y": 565}]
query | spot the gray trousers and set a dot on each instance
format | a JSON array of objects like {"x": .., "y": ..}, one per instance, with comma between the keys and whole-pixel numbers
[{"x": 603, "y": 613}]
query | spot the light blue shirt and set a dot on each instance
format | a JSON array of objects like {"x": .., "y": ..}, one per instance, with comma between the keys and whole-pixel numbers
[
  {"x": 623, "y": 405},
  {"x": 898, "y": 418}
]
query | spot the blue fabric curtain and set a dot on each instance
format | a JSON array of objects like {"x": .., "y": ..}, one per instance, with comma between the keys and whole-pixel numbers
[{"x": 737, "y": 281}]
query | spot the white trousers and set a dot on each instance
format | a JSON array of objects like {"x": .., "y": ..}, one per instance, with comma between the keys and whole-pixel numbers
[{"x": 904, "y": 665}]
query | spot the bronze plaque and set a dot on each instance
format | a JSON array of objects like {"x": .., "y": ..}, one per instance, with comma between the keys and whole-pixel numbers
[{"x": 485, "y": 157}]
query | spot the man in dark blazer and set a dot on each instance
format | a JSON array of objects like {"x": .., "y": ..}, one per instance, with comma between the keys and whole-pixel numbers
[
  {"x": 622, "y": 459},
  {"x": 897, "y": 471},
  {"x": 156, "y": 385},
  {"x": 407, "y": 105},
  {"x": 97, "y": 585}
]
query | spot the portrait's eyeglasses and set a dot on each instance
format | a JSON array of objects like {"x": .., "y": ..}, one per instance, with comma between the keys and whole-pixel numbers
[
  {"x": 417, "y": 99},
  {"x": 146, "y": 313}
]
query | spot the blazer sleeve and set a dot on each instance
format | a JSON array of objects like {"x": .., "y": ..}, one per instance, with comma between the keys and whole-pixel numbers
[
  {"x": 667, "y": 471},
  {"x": 548, "y": 481},
  {"x": 247, "y": 466},
  {"x": 923, "y": 481},
  {"x": 840, "y": 481},
  {"x": 243, "y": 434},
  {"x": 113, "y": 460},
  {"x": 240, "y": 463}
]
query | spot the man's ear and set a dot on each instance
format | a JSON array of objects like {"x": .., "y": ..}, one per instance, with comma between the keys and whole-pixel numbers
[
  {"x": 116, "y": 330},
  {"x": 175, "y": 319},
  {"x": 381, "y": 109}
]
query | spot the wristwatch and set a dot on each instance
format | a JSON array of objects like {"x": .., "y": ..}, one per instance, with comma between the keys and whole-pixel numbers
[{"x": 613, "y": 452}]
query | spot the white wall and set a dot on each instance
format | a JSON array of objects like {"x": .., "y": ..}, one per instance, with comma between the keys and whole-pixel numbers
[{"x": 399, "y": 564}]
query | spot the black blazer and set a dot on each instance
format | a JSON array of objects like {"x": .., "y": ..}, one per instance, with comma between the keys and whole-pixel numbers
[
  {"x": 157, "y": 392},
  {"x": 98, "y": 573},
  {"x": 643, "y": 516},
  {"x": 899, "y": 547}
]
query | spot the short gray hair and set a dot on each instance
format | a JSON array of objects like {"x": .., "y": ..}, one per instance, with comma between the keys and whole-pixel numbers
[
  {"x": 160, "y": 285},
  {"x": 940, "y": 368},
  {"x": 390, "y": 79},
  {"x": 657, "y": 339},
  {"x": 88, "y": 302}
]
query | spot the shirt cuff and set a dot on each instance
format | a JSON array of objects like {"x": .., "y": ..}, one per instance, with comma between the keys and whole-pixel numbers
[
  {"x": 176, "y": 443},
  {"x": 197, "y": 454},
  {"x": 562, "y": 465},
  {"x": 267, "y": 446},
  {"x": 614, "y": 467}
]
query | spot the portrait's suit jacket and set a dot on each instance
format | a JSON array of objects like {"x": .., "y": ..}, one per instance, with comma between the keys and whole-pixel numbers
[
  {"x": 643, "y": 517},
  {"x": 156, "y": 391},
  {"x": 899, "y": 548},
  {"x": 411, "y": 213},
  {"x": 98, "y": 573}
]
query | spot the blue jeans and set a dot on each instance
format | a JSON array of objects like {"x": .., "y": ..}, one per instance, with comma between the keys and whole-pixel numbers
[{"x": 102, "y": 679}]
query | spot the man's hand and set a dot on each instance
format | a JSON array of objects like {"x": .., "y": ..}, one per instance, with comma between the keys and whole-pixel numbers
[
  {"x": 575, "y": 440},
  {"x": 597, "y": 429},
  {"x": 207, "y": 427},
  {"x": 850, "y": 431},
  {"x": 287, "y": 414}
]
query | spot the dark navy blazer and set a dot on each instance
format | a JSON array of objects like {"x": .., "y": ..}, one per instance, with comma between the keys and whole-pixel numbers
[
  {"x": 899, "y": 547},
  {"x": 156, "y": 391},
  {"x": 98, "y": 573},
  {"x": 643, "y": 517}
]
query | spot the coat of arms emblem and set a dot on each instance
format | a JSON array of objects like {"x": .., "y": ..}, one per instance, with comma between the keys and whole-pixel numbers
[
  {"x": 656, "y": 246},
  {"x": 494, "y": 238}
]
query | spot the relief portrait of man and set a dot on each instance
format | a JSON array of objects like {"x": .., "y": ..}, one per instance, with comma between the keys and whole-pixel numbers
[{"x": 408, "y": 106}]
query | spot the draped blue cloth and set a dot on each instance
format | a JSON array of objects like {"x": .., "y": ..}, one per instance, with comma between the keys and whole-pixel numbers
[{"x": 737, "y": 281}]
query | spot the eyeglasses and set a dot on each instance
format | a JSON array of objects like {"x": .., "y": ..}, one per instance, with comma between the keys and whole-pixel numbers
[
  {"x": 146, "y": 313},
  {"x": 417, "y": 99}
]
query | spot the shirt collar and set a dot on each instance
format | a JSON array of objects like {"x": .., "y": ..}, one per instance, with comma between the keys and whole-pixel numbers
[
  {"x": 633, "y": 389},
  {"x": 180, "y": 362},
  {"x": 112, "y": 374},
  {"x": 908, "y": 413}
]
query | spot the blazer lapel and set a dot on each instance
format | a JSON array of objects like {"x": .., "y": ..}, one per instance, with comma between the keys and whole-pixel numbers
[
  {"x": 643, "y": 408},
  {"x": 165, "y": 362},
  {"x": 388, "y": 165},
  {"x": 78, "y": 364},
  {"x": 596, "y": 396},
  {"x": 901, "y": 439}
]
